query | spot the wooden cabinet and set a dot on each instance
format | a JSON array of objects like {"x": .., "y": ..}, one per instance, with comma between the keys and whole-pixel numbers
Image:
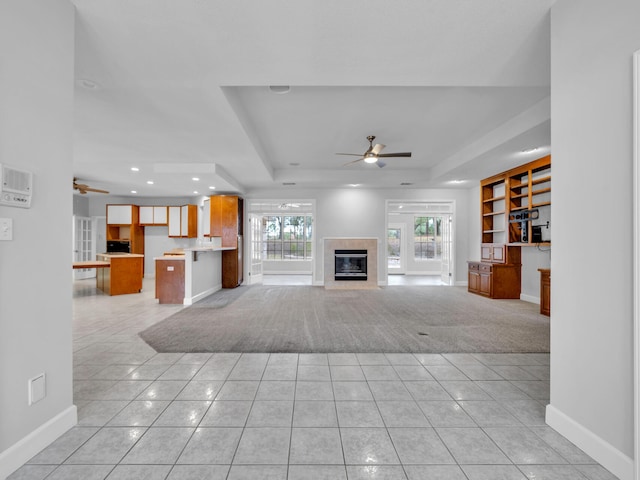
[
  {"x": 170, "y": 280},
  {"x": 226, "y": 221},
  {"x": 494, "y": 280},
  {"x": 153, "y": 215},
  {"x": 123, "y": 225},
  {"x": 123, "y": 276},
  {"x": 545, "y": 291},
  {"x": 226, "y": 218},
  {"x": 183, "y": 221}
]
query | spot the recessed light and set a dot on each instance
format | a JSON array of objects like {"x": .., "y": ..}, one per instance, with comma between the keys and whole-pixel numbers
[
  {"x": 279, "y": 89},
  {"x": 354, "y": 184},
  {"x": 294, "y": 164},
  {"x": 400, "y": 206},
  {"x": 288, "y": 183},
  {"x": 530, "y": 150},
  {"x": 457, "y": 181},
  {"x": 404, "y": 184},
  {"x": 88, "y": 84},
  {"x": 211, "y": 187},
  {"x": 135, "y": 169},
  {"x": 195, "y": 191},
  {"x": 133, "y": 191},
  {"x": 195, "y": 179},
  {"x": 150, "y": 182}
]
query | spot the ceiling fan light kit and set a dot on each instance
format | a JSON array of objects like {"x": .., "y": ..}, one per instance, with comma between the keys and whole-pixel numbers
[{"x": 372, "y": 155}]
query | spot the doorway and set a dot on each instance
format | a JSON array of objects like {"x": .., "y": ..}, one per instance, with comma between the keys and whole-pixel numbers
[
  {"x": 281, "y": 240},
  {"x": 83, "y": 250},
  {"x": 420, "y": 242}
]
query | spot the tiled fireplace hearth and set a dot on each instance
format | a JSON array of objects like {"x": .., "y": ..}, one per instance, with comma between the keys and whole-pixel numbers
[{"x": 359, "y": 270}]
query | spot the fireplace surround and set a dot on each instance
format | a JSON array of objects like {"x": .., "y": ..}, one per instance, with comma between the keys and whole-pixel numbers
[{"x": 333, "y": 244}]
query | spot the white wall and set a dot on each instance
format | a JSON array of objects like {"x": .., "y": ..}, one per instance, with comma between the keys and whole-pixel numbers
[
  {"x": 36, "y": 95},
  {"x": 359, "y": 212},
  {"x": 592, "y": 44}
]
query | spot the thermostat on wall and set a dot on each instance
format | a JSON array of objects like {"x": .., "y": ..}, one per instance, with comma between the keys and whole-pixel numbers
[{"x": 15, "y": 187}]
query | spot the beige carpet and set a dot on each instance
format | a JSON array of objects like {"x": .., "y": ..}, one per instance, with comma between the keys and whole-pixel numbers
[{"x": 427, "y": 319}]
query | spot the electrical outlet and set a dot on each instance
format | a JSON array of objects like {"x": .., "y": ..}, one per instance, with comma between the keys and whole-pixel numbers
[
  {"x": 6, "y": 229},
  {"x": 37, "y": 388}
]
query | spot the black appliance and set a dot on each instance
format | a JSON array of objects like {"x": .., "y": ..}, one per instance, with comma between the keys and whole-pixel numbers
[{"x": 116, "y": 246}]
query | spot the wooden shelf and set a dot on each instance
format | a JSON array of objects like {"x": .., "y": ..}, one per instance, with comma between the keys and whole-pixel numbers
[
  {"x": 494, "y": 199},
  {"x": 537, "y": 181},
  {"x": 518, "y": 186},
  {"x": 541, "y": 204},
  {"x": 539, "y": 192},
  {"x": 521, "y": 244},
  {"x": 520, "y": 195},
  {"x": 491, "y": 214},
  {"x": 515, "y": 209}
]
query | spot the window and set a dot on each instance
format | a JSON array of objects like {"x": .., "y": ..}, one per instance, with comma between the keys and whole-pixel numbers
[
  {"x": 287, "y": 237},
  {"x": 427, "y": 240}
]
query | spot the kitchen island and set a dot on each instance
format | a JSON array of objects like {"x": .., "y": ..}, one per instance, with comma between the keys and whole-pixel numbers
[
  {"x": 189, "y": 278},
  {"x": 124, "y": 274}
]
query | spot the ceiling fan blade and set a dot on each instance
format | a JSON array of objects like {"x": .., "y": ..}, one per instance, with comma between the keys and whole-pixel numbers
[
  {"x": 352, "y": 154},
  {"x": 399, "y": 154},
  {"x": 353, "y": 161},
  {"x": 377, "y": 148},
  {"x": 97, "y": 190}
]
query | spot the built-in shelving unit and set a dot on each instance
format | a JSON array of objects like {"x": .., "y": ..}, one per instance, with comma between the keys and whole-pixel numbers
[{"x": 515, "y": 212}]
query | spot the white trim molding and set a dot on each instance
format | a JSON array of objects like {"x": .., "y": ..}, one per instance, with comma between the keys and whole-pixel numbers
[
  {"x": 603, "y": 452},
  {"x": 636, "y": 260},
  {"x": 19, "y": 453}
]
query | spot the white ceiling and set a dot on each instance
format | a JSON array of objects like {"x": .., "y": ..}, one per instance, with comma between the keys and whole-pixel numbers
[{"x": 179, "y": 89}]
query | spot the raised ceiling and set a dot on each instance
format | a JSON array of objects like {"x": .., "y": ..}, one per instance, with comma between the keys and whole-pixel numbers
[{"x": 180, "y": 90}]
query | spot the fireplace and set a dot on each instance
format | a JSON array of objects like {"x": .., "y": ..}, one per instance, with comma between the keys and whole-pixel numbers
[{"x": 351, "y": 265}]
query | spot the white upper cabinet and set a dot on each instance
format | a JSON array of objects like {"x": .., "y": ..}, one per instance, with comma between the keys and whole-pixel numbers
[
  {"x": 119, "y": 214},
  {"x": 174, "y": 221},
  {"x": 153, "y": 215}
]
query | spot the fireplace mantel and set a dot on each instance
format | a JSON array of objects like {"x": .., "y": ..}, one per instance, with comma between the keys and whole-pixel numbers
[{"x": 331, "y": 244}]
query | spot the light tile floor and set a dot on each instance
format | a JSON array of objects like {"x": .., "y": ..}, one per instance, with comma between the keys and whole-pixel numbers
[{"x": 147, "y": 415}]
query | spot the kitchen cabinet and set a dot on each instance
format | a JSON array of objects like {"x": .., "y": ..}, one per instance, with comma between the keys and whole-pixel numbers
[
  {"x": 120, "y": 214},
  {"x": 183, "y": 221},
  {"x": 124, "y": 274},
  {"x": 226, "y": 218},
  {"x": 170, "y": 280},
  {"x": 123, "y": 226},
  {"x": 232, "y": 266},
  {"x": 153, "y": 215}
]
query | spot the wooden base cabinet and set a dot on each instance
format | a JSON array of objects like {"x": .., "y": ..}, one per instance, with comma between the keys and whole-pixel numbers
[
  {"x": 494, "y": 280},
  {"x": 545, "y": 291},
  {"x": 170, "y": 280},
  {"x": 232, "y": 267}
]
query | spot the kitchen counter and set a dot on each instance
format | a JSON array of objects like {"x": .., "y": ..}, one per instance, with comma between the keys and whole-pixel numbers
[{"x": 124, "y": 274}]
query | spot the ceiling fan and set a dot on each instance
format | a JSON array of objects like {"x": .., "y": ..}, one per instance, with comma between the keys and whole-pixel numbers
[
  {"x": 83, "y": 189},
  {"x": 372, "y": 155}
]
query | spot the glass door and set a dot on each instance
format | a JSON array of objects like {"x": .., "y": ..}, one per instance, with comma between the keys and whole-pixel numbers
[
  {"x": 255, "y": 270},
  {"x": 395, "y": 249},
  {"x": 447, "y": 243}
]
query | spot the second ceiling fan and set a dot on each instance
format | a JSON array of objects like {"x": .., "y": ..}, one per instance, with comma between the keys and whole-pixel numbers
[{"x": 372, "y": 155}]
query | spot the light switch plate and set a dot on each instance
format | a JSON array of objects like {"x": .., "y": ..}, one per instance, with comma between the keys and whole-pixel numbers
[{"x": 6, "y": 229}]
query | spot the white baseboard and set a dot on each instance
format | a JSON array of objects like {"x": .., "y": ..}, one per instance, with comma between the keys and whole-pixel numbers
[
  {"x": 18, "y": 454},
  {"x": 461, "y": 284},
  {"x": 604, "y": 453},
  {"x": 201, "y": 295},
  {"x": 530, "y": 299}
]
